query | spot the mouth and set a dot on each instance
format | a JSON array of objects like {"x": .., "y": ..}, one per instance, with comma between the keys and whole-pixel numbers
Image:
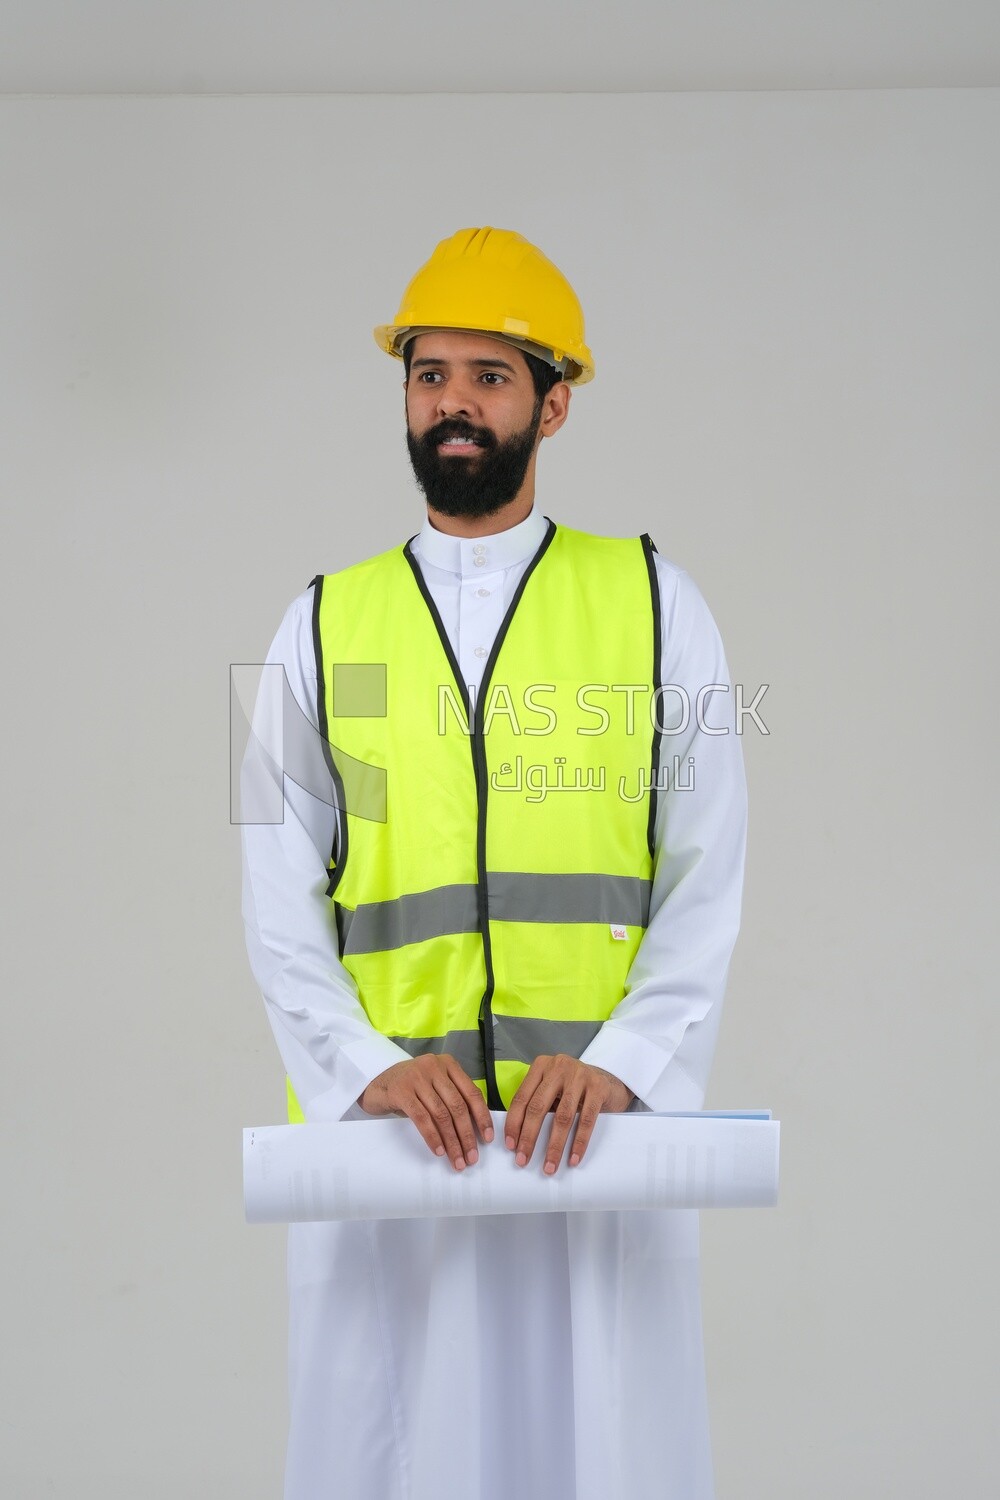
[
  {"x": 459, "y": 444},
  {"x": 459, "y": 440}
]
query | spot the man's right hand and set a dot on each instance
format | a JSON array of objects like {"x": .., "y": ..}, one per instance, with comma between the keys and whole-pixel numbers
[{"x": 437, "y": 1094}]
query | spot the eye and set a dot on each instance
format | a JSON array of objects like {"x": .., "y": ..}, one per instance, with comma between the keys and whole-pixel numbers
[
  {"x": 427, "y": 376},
  {"x": 493, "y": 375}
]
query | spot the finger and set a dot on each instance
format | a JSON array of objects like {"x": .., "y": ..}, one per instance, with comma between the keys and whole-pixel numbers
[
  {"x": 420, "y": 1099},
  {"x": 461, "y": 1118},
  {"x": 535, "y": 1111},
  {"x": 441, "y": 1110},
  {"x": 481, "y": 1116},
  {"x": 562, "y": 1122},
  {"x": 414, "y": 1109},
  {"x": 519, "y": 1103},
  {"x": 590, "y": 1108}
]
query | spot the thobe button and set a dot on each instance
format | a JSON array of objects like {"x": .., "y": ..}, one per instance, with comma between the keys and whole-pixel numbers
[
  {"x": 480, "y": 562},
  {"x": 478, "y": 550},
  {"x": 480, "y": 650},
  {"x": 483, "y": 593}
]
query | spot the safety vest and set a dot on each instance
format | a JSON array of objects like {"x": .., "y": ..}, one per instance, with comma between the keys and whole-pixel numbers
[{"x": 492, "y": 880}]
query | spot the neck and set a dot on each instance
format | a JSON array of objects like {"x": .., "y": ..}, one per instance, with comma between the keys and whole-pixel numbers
[
  {"x": 508, "y": 515},
  {"x": 500, "y": 520}
]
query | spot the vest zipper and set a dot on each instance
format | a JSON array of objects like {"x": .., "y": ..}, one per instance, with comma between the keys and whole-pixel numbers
[
  {"x": 493, "y": 1097},
  {"x": 477, "y": 743},
  {"x": 648, "y": 551}
]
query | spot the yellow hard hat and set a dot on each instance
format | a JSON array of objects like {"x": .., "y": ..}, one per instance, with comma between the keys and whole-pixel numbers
[{"x": 494, "y": 281}]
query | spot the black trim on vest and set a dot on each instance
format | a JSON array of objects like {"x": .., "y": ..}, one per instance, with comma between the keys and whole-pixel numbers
[
  {"x": 476, "y": 726},
  {"x": 493, "y": 1097},
  {"x": 648, "y": 549},
  {"x": 338, "y": 855},
  {"x": 463, "y": 687}
]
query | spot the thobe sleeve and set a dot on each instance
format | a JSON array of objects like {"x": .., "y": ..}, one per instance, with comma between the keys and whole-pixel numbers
[
  {"x": 330, "y": 1049},
  {"x": 660, "y": 1038}
]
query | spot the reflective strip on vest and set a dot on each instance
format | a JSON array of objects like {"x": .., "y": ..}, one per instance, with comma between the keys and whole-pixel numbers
[
  {"x": 381, "y": 925},
  {"x": 515, "y": 1039},
  {"x": 465, "y": 1046},
  {"x": 523, "y": 1038}
]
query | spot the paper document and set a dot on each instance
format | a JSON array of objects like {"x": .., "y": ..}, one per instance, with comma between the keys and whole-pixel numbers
[{"x": 381, "y": 1169}]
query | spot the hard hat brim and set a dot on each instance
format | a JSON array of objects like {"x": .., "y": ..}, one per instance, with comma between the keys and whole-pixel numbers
[{"x": 579, "y": 364}]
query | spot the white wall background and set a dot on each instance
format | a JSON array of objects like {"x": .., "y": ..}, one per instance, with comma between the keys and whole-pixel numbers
[{"x": 792, "y": 300}]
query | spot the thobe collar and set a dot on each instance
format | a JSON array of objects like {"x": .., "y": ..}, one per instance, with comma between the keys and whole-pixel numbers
[{"x": 472, "y": 555}]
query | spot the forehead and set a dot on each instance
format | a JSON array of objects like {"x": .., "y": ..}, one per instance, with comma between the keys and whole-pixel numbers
[{"x": 454, "y": 346}]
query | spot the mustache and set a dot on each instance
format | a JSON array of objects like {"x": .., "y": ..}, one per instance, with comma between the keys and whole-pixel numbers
[{"x": 452, "y": 429}]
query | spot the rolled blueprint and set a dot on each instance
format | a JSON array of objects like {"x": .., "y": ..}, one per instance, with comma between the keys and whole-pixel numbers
[{"x": 381, "y": 1169}]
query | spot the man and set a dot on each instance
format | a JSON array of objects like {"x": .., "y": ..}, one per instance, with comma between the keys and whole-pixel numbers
[{"x": 478, "y": 939}]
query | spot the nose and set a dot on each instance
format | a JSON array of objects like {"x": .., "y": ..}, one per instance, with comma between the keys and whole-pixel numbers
[{"x": 457, "y": 396}]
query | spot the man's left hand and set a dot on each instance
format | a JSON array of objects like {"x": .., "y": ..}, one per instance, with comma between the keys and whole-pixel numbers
[{"x": 573, "y": 1089}]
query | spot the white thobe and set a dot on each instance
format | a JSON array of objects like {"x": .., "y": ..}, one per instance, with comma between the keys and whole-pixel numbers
[{"x": 548, "y": 1356}]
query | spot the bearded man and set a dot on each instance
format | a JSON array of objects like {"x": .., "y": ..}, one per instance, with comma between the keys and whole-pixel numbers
[{"x": 475, "y": 947}]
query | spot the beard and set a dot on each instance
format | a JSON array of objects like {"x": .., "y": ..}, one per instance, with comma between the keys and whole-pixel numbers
[{"x": 478, "y": 485}]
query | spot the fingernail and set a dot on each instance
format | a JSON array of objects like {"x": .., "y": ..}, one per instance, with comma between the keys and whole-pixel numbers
[
  {"x": 508, "y": 1141},
  {"x": 472, "y": 1157},
  {"x": 521, "y": 1159},
  {"x": 488, "y": 1133},
  {"x": 438, "y": 1150},
  {"x": 550, "y": 1167},
  {"x": 459, "y": 1164},
  {"x": 573, "y": 1160}
]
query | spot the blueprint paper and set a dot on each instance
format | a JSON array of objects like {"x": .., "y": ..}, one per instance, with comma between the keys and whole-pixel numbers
[{"x": 381, "y": 1169}]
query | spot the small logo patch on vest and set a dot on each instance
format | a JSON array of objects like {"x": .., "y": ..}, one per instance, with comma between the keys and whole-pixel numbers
[{"x": 620, "y": 934}]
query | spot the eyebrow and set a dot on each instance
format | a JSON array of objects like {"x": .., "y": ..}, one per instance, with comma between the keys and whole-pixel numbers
[{"x": 482, "y": 364}]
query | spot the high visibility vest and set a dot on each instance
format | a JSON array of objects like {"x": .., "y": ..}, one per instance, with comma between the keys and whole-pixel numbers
[{"x": 492, "y": 881}]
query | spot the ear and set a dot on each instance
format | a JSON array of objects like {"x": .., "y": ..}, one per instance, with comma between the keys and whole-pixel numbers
[{"x": 555, "y": 408}]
